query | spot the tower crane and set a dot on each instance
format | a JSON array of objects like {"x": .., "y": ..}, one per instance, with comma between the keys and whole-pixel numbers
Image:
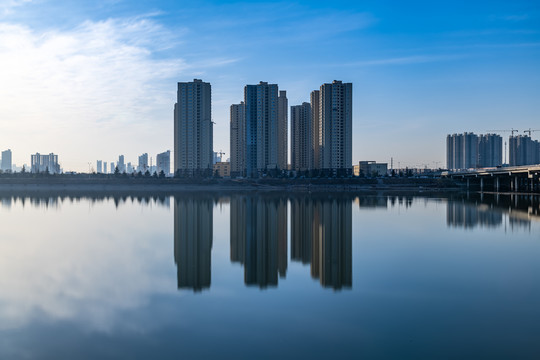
[
  {"x": 530, "y": 131},
  {"x": 221, "y": 153},
  {"x": 510, "y": 131}
]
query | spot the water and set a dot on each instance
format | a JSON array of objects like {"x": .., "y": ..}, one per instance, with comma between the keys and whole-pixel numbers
[{"x": 270, "y": 276}]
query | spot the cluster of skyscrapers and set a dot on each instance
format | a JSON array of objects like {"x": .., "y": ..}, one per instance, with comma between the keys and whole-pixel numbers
[
  {"x": 163, "y": 164},
  {"x": 321, "y": 131},
  {"x": 468, "y": 150}
]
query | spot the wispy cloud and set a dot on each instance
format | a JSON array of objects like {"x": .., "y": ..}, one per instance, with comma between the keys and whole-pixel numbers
[
  {"x": 406, "y": 60},
  {"x": 7, "y": 6},
  {"x": 81, "y": 82}
]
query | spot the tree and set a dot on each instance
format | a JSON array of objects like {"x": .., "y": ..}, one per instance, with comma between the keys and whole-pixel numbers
[
  {"x": 161, "y": 174},
  {"x": 147, "y": 173},
  {"x": 116, "y": 170},
  {"x": 23, "y": 171}
]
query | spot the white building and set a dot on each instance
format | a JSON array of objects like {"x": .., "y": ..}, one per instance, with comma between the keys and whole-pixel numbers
[
  {"x": 6, "y": 161},
  {"x": 163, "y": 162},
  {"x": 44, "y": 163}
]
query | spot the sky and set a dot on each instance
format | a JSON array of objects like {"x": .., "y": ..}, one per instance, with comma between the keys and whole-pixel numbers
[{"x": 90, "y": 80}]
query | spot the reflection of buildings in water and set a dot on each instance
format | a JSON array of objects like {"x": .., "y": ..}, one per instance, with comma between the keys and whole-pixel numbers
[
  {"x": 193, "y": 242},
  {"x": 492, "y": 210},
  {"x": 372, "y": 201},
  {"x": 321, "y": 234},
  {"x": 466, "y": 215},
  {"x": 259, "y": 238}
]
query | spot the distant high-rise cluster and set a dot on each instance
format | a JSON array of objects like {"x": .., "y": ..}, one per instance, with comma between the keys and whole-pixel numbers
[
  {"x": 45, "y": 163},
  {"x": 321, "y": 131},
  {"x": 524, "y": 150},
  {"x": 468, "y": 150}
]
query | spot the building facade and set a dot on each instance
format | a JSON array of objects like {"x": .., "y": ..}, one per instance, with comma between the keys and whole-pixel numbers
[
  {"x": 462, "y": 151},
  {"x": 261, "y": 103},
  {"x": 44, "y": 163},
  {"x": 6, "y": 161},
  {"x": 99, "y": 166},
  {"x": 193, "y": 129},
  {"x": 143, "y": 163},
  {"x": 283, "y": 123},
  {"x": 335, "y": 126},
  {"x": 238, "y": 139},
  {"x": 163, "y": 163},
  {"x": 315, "y": 111},
  {"x": 490, "y": 149},
  {"x": 301, "y": 137},
  {"x": 222, "y": 169},
  {"x": 523, "y": 150}
]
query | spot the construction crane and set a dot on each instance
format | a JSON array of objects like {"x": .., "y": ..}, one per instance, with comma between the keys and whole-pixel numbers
[
  {"x": 530, "y": 131},
  {"x": 221, "y": 153},
  {"x": 510, "y": 131}
]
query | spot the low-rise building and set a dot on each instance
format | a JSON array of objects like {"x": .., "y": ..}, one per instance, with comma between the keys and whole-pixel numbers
[
  {"x": 223, "y": 169},
  {"x": 371, "y": 168}
]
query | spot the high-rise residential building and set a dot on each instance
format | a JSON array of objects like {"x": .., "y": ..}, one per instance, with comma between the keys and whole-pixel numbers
[
  {"x": 282, "y": 143},
  {"x": 6, "y": 160},
  {"x": 113, "y": 168},
  {"x": 163, "y": 162},
  {"x": 462, "y": 151},
  {"x": 193, "y": 134},
  {"x": 99, "y": 166},
  {"x": 120, "y": 164},
  {"x": 335, "y": 126},
  {"x": 261, "y": 103},
  {"x": 193, "y": 242},
  {"x": 490, "y": 149},
  {"x": 44, "y": 163},
  {"x": 105, "y": 167},
  {"x": 301, "y": 137},
  {"x": 523, "y": 150},
  {"x": 315, "y": 111},
  {"x": 143, "y": 163},
  {"x": 238, "y": 139}
]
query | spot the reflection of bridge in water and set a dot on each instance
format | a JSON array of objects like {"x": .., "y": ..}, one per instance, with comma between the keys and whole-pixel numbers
[{"x": 492, "y": 210}]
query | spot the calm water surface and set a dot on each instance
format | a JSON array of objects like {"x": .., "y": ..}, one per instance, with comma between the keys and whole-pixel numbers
[{"x": 266, "y": 276}]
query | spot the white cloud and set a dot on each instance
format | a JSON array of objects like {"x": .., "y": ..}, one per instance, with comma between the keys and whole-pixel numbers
[{"x": 62, "y": 86}]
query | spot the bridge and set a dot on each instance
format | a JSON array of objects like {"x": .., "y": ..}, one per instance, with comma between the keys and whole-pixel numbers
[{"x": 507, "y": 178}]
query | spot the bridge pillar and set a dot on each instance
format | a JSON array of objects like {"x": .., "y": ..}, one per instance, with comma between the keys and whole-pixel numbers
[
  {"x": 468, "y": 184},
  {"x": 516, "y": 183},
  {"x": 532, "y": 184},
  {"x": 481, "y": 184},
  {"x": 497, "y": 184}
]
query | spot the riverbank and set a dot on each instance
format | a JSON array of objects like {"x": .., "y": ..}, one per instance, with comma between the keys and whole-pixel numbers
[{"x": 173, "y": 185}]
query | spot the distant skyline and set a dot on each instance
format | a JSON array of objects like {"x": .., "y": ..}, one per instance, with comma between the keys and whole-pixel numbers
[{"x": 95, "y": 80}]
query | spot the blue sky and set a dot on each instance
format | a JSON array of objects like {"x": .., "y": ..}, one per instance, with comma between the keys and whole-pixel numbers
[{"x": 96, "y": 79}]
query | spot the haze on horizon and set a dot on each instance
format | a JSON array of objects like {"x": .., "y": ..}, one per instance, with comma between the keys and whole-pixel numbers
[{"x": 95, "y": 80}]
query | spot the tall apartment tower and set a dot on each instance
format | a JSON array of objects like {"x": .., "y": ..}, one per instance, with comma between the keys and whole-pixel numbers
[
  {"x": 523, "y": 151},
  {"x": 315, "y": 111},
  {"x": 99, "y": 166},
  {"x": 143, "y": 163},
  {"x": 490, "y": 150},
  {"x": 6, "y": 160},
  {"x": 193, "y": 130},
  {"x": 238, "y": 139},
  {"x": 335, "y": 126},
  {"x": 262, "y": 129},
  {"x": 301, "y": 137},
  {"x": 462, "y": 151},
  {"x": 283, "y": 146}
]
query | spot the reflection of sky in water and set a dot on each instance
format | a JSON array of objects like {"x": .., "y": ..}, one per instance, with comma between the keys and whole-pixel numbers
[{"x": 422, "y": 278}]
